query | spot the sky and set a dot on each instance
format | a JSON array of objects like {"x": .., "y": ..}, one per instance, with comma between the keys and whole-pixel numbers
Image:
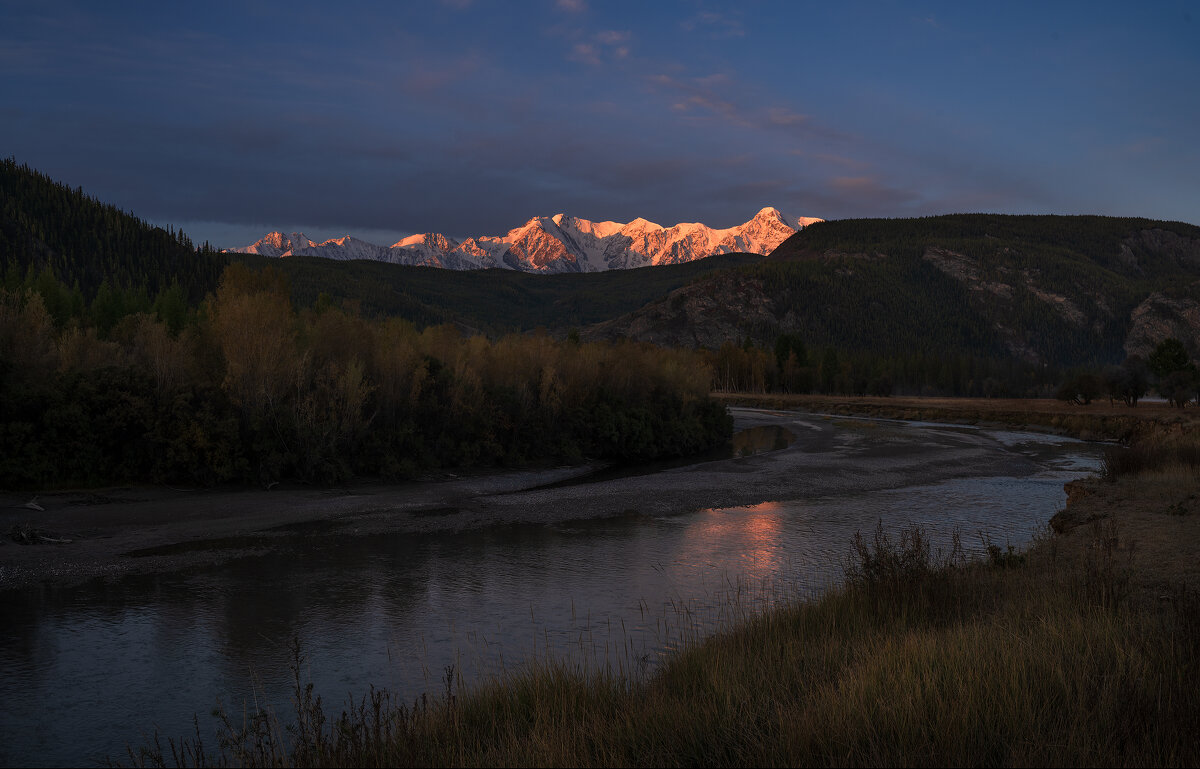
[{"x": 469, "y": 117}]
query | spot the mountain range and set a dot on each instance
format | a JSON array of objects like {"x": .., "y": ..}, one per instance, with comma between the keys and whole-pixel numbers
[
  {"x": 554, "y": 244},
  {"x": 1043, "y": 291}
]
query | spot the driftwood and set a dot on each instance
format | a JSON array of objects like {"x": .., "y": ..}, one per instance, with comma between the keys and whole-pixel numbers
[{"x": 24, "y": 534}]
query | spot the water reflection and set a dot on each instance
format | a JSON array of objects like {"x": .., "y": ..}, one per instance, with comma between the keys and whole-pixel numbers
[
  {"x": 88, "y": 669},
  {"x": 752, "y": 535}
]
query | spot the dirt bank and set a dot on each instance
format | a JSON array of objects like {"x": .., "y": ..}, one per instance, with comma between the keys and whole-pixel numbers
[
  {"x": 76, "y": 536},
  {"x": 1150, "y": 522}
]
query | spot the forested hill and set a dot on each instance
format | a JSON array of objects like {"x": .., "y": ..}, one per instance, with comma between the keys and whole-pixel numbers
[
  {"x": 1135, "y": 248},
  {"x": 85, "y": 243},
  {"x": 486, "y": 301},
  {"x": 1060, "y": 290}
]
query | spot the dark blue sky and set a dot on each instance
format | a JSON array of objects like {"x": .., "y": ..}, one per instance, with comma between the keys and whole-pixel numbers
[{"x": 469, "y": 117}]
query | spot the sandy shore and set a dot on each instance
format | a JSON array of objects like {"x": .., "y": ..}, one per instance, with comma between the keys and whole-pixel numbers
[{"x": 112, "y": 532}]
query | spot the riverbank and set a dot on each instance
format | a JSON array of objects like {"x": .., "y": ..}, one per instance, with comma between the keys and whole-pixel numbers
[
  {"x": 751, "y": 699},
  {"x": 70, "y": 537},
  {"x": 1082, "y": 650},
  {"x": 1156, "y": 508}
]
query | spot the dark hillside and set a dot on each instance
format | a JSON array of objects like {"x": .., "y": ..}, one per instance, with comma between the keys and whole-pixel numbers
[
  {"x": 1116, "y": 244},
  {"x": 1056, "y": 290},
  {"x": 488, "y": 301},
  {"x": 84, "y": 243}
]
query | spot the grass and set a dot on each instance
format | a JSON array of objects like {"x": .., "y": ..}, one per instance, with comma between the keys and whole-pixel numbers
[
  {"x": 1082, "y": 650},
  {"x": 1150, "y": 456}
]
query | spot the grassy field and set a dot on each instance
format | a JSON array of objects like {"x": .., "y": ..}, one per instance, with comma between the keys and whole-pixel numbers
[{"x": 1083, "y": 650}]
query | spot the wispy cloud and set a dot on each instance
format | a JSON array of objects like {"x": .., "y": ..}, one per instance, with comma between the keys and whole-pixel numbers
[
  {"x": 714, "y": 24},
  {"x": 586, "y": 53},
  {"x": 869, "y": 191},
  {"x": 778, "y": 116},
  {"x": 604, "y": 46},
  {"x": 426, "y": 76},
  {"x": 852, "y": 164},
  {"x": 720, "y": 94},
  {"x": 1143, "y": 146},
  {"x": 572, "y": 6},
  {"x": 692, "y": 94}
]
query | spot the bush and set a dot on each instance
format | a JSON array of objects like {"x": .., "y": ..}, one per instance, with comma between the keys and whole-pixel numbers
[{"x": 888, "y": 565}]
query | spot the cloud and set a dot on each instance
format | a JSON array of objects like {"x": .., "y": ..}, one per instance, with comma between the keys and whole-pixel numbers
[
  {"x": 852, "y": 164},
  {"x": 425, "y": 76},
  {"x": 605, "y": 45},
  {"x": 722, "y": 95},
  {"x": 612, "y": 36},
  {"x": 714, "y": 25},
  {"x": 1143, "y": 146},
  {"x": 871, "y": 192},
  {"x": 586, "y": 53},
  {"x": 699, "y": 93},
  {"x": 571, "y": 6},
  {"x": 782, "y": 117}
]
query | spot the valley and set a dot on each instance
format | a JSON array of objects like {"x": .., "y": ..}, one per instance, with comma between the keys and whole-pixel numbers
[{"x": 215, "y": 453}]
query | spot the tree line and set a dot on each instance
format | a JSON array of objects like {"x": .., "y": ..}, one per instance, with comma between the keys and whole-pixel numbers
[
  {"x": 791, "y": 366},
  {"x": 1169, "y": 369},
  {"x": 243, "y": 387}
]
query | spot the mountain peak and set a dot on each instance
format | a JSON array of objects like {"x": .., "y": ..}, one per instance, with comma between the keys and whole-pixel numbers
[
  {"x": 773, "y": 214},
  {"x": 557, "y": 243},
  {"x": 640, "y": 223}
]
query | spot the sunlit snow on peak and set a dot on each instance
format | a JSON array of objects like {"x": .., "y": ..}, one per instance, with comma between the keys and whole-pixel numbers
[{"x": 558, "y": 243}]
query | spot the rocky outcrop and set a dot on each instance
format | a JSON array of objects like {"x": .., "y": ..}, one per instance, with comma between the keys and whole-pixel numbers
[
  {"x": 1166, "y": 314},
  {"x": 1155, "y": 245},
  {"x": 704, "y": 314}
]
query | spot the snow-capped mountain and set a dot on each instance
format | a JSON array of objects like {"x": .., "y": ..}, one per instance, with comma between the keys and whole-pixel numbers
[
  {"x": 276, "y": 244},
  {"x": 558, "y": 243}
]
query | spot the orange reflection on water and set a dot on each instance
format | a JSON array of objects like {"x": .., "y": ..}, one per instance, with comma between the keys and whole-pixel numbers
[{"x": 753, "y": 532}]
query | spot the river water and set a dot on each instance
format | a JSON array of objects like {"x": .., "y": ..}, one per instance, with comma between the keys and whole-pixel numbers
[{"x": 91, "y": 669}]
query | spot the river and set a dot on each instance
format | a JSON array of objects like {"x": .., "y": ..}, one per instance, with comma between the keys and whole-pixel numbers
[{"x": 92, "y": 668}]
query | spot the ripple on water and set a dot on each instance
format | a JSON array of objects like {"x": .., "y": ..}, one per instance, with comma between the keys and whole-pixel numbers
[{"x": 92, "y": 668}]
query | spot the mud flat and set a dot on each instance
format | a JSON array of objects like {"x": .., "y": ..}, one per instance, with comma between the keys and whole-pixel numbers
[{"x": 77, "y": 536}]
